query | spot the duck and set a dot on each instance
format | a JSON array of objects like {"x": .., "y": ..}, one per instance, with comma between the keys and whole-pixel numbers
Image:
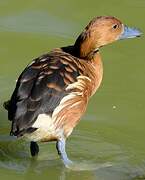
[{"x": 53, "y": 91}]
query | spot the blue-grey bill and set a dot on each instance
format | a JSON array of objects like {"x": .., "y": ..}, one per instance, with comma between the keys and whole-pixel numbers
[{"x": 130, "y": 33}]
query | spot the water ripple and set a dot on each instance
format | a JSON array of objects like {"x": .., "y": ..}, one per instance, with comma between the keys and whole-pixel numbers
[{"x": 37, "y": 22}]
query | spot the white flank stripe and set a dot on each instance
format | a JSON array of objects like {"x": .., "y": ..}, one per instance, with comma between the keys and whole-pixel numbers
[
  {"x": 46, "y": 124},
  {"x": 43, "y": 121}
]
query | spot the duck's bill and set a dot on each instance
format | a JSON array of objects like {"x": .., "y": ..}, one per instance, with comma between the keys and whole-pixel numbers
[{"x": 130, "y": 33}]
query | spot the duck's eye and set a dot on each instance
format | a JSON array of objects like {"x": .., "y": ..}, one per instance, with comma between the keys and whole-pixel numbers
[{"x": 115, "y": 26}]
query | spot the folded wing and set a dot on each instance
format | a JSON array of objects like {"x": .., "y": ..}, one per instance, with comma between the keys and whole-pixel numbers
[{"x": 39, "y": 90}]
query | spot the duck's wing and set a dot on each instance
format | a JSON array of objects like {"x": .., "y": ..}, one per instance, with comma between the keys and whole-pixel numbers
[{"x": 39, "y": 90}]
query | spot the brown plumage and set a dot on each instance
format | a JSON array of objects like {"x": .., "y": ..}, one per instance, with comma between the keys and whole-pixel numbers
[{"x": 52, "y": 92}]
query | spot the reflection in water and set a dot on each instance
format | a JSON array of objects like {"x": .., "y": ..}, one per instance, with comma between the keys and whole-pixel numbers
[{"x": 108, "y": 161}]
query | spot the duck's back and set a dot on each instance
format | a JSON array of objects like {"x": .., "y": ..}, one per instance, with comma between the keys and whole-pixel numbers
[{"x": 40, "y": 88}]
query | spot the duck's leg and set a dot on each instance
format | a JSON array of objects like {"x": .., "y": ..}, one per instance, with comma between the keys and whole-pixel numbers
[
  {"x": 60, "y": 145},
  {"x": 34, "y": 148}
]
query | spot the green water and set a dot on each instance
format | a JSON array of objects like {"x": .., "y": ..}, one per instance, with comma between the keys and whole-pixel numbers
[{"x": 109, "y": 141}]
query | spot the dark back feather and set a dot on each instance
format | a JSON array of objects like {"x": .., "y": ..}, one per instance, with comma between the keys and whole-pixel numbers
[{"x": 40, "y": 88}]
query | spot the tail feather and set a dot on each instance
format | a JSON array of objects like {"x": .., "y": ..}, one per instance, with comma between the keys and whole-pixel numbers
[{"x": 6, "y": 105}]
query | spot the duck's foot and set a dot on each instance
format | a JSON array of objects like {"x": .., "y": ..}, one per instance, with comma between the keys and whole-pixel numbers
[
  {"x": 34, "y": 148},
  {"x": 60, "y": 146},
  {"x": 77, "y": 166}
]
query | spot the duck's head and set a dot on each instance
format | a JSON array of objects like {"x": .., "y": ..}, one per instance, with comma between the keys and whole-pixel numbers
[{"x": 101, "y": 31}]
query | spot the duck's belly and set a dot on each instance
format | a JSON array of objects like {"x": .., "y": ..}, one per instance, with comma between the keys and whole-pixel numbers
[{"x": 47, "y": 129}]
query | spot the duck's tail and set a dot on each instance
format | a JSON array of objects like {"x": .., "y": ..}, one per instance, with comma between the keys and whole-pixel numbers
[{"x": 6, "y": 104}]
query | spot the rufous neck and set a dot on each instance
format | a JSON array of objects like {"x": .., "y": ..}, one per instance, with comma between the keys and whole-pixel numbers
[{"x": 85, "y": 46}]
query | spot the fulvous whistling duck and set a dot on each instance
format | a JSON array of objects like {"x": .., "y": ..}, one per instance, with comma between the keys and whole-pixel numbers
[{"x": 52, "y": 92}]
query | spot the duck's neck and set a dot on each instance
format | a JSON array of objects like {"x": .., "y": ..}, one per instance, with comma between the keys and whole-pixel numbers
[{"x": 85, "y": 47}]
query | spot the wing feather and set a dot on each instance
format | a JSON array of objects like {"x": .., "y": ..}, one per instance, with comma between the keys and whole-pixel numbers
[{"x": 39, "y": 89}]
